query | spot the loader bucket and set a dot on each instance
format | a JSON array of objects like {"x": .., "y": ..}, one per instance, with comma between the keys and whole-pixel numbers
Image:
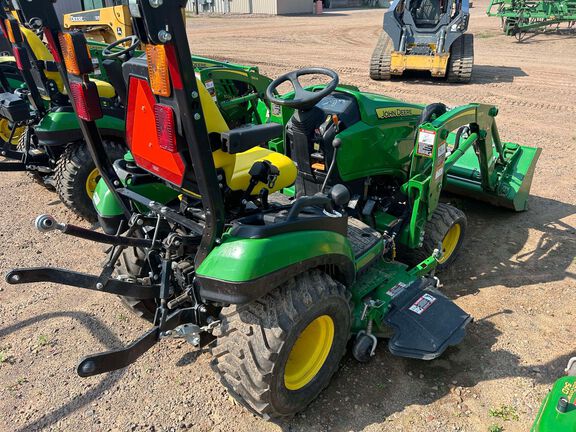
[{"x": 514, "y": 177}]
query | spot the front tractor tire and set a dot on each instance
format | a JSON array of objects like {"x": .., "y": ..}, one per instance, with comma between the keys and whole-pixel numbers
[
  {"x": 447, "y": 226},
  {"x": 461, "y": 60},
  {"x": 382, "y": 58},
  {"x": 77, "y": 176},
  {"x": 276, "y": 354}
]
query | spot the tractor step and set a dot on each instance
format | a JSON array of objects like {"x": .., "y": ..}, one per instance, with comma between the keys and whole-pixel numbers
[{"x": 426, "y": 322}]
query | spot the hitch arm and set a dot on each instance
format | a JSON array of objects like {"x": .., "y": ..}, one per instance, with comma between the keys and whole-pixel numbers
[
  {"x": 117, "y": 359},
  {"x": 81, "y": 280}
]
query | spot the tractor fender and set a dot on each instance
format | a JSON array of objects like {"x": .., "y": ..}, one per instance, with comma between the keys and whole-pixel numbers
[
  {"x": 241, "y": 270},
  {"x": 109, "y": 209},
  {"x": 60, "y": 127}
]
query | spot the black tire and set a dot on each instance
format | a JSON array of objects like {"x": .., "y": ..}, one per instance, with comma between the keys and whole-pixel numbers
[
  {"x": 133, "y": 264},
  {"x": 432, "y": 112},
  {"x": 72, "y": 173},
  {"x": 443, "y": 219},
  {"x": 35, "y": 176},
  {"x": 255, "y": 340},
  {"x": 461, "y": 60},
  {"x": 381, "y": 58}
]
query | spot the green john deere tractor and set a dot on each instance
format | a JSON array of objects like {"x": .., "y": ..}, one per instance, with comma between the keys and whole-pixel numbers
[
  {"x": 558, "y": 411},
  {"x": 205, "y": 248}
]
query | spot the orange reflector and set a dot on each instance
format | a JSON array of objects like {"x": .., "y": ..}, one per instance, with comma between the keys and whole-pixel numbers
[
  {"x": 158, "y": 70},
  {"x": 10, "y": 31},
  {"x": 318, "y": 166},
  {"x": 76, "y": 53}
]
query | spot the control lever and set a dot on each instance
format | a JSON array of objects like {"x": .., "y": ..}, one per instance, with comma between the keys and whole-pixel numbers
[{"x": 336, "y": 143}]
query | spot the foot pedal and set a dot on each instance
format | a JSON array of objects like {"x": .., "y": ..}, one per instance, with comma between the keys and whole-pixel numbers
[{"x": 426, "y": 322}]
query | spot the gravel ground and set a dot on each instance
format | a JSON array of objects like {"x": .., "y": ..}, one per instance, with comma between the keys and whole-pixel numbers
[{"x": 516, "y": 274}]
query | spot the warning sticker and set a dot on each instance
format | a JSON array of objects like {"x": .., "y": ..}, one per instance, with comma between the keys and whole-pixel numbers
[
  {"x": 276, "y": 110},
  {"x": 425, "y": 143},
  {"x": 422, "y": 304},
  {"x": 442, "y": 150},
  {"x": 211, "y": 89},
  {"x": 439, "y": 172},
  {"x": 396, "y": 289}
]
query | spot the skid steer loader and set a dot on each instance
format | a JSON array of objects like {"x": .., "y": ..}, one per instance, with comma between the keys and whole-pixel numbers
[
  {"x": 425, "y": 35},
  {"x": 107, "y": 24}
]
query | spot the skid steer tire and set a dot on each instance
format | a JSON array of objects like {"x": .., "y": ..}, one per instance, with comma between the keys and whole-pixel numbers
[
  {"x": 272, "y": 354},
  {"x": 133, "y": 264},
  {"x": 447, "y": 225},
  {"x": 381, "y": 58},
  {"x": 35, "y": 176},
  {"x": 76, "y": 176},
  {"x": 461, "y": 60}
]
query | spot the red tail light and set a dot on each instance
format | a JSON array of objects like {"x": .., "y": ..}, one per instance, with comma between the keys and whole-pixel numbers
[
  {"x": 52, "y": 45},
  {"x": 21, "y": 57},
  {"x": 86, "y": 100},
  {"x": 165, "y": 125}
]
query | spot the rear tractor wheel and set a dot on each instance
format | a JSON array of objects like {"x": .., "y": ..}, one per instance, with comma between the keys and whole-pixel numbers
[
  {"x": 133, "y": 265},
  {"x": 77, "y": 177},
  {"x": 447, "y": 226},
  {"x": 461, "y": 60},
  {"x": 381, "y": 58},
  {"x": 276, "y": 354},
  {"x": 6, "y": 131}
]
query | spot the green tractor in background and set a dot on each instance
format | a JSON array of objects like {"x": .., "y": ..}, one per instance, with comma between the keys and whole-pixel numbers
[
  {"x": 40, "y": 131},
  {"x": 206, "y": 248},
  {"x": 558, "y": 411}
]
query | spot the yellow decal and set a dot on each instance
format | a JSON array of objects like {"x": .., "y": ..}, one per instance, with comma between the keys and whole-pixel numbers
[
  {"x": 569, "y": 390},
  {"x": 391, "y": 112}
]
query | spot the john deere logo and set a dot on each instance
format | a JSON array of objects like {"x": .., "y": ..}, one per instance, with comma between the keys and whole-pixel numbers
[{"x": 391, "y": 112}]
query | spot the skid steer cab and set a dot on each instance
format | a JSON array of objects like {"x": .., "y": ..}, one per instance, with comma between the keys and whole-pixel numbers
[
  {"x": 275, "y": 287},
  {"x": 425, "y": 35}
]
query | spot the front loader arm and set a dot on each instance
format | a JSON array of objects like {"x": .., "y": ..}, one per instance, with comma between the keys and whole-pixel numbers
[{"x": 475, "y": 163}]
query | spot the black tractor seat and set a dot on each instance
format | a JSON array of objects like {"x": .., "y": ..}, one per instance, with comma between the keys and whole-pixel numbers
[{"x": 305, "y": 214}]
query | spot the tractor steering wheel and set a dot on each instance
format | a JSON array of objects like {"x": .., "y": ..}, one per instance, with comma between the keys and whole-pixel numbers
[
  {"x": 109, "y": 54},
  {"x": 303, "y": 99}
]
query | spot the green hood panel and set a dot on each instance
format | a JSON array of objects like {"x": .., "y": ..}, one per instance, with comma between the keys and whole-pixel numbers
[
  {"x": 58, "y": 121},
  {"x": 243, "y": 259}
]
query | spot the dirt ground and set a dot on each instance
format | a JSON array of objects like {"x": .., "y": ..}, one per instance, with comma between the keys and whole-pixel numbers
[{"x": 516, "y": 275}]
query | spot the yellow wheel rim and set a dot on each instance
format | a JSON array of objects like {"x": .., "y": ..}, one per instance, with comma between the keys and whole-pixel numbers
[
  {"x": 450, "y": 242},
  {"x": 309, "y": 353},
  {"x": 5, "y": 131},
  {"x": 92, "y": 181}
]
